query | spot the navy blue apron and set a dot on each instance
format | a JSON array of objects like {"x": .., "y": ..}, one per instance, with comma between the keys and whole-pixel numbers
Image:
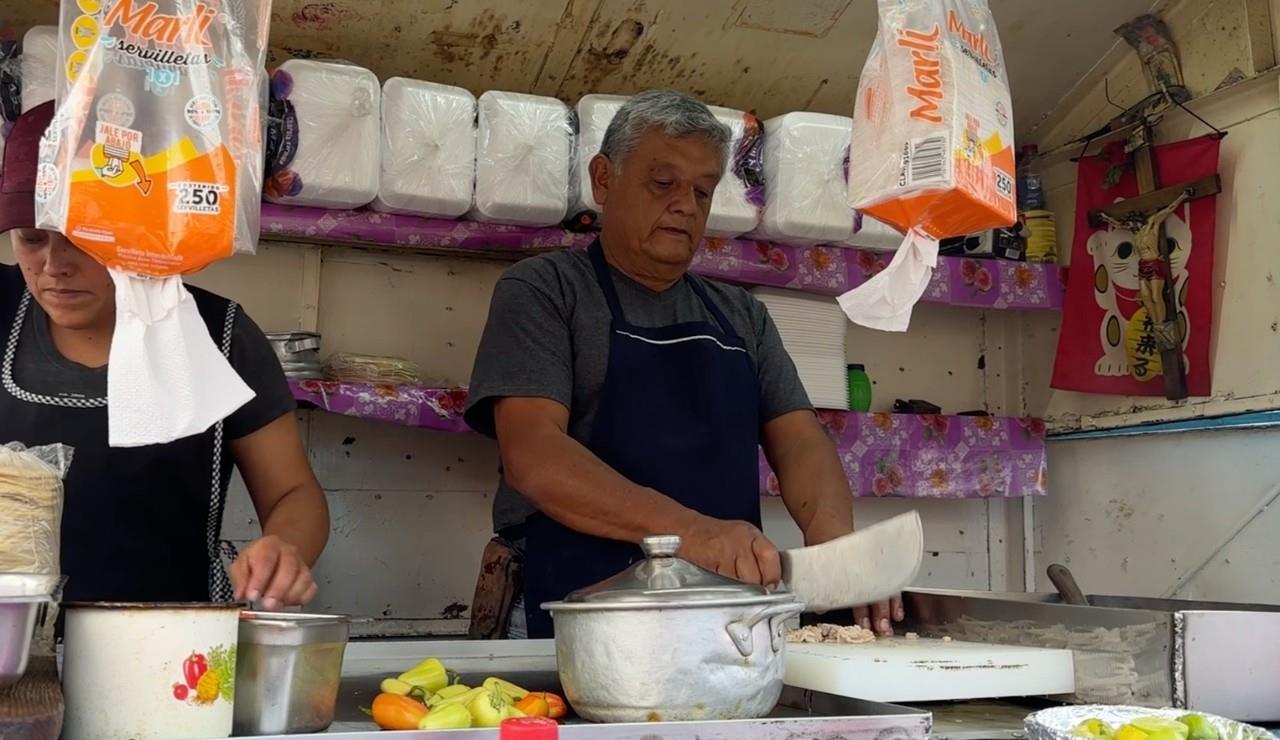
[{"x": 679, "y": 413}]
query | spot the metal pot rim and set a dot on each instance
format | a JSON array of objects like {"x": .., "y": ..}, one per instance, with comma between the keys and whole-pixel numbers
[
  {"x": 153, "y": 605},
  {"x": 626, "y": 606}
]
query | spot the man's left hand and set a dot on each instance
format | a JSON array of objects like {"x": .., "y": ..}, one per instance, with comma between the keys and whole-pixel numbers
[
  {"x": 270, "y": 571},
  {"x": 880, "y": 617}
]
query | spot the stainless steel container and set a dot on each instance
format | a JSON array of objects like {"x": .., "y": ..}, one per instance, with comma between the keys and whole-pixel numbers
[
  {"x": 298, "y": 352},
  {"x": 23, "y": 597},
  {"x": 17, "y": 626},
  {"x": 668, "y": 641},
  {"x": 288, "y": 671}
]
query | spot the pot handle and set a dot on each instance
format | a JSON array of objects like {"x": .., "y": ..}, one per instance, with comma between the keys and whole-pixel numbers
[{"x": 740, "y": 631}]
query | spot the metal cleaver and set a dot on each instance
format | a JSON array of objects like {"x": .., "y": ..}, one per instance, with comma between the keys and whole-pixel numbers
[{"x": 862, "y": 568}]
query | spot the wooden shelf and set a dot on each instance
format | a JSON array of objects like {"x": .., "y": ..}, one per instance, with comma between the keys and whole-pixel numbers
[
  {"x": 884, "y": 455},
  {"x": 826, "y": 270}
]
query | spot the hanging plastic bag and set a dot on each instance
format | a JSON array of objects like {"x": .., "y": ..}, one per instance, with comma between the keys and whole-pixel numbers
[
  {"x": 153, "y": 163},
  {"x": 932, "y": 143}
]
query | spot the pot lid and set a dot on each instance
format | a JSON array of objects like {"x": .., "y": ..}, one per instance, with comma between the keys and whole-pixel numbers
[{"x": 664, "y": 578}]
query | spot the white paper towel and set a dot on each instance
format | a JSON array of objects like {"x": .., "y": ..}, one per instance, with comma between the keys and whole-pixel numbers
[
  {"x": 524, "y": 147},
  {"x": 39, "y": 65},
  {"x": 337, "y": 155},
  {"x": 806, "y": 191},
  {"x": 884, "y": 302},
  {"x": 732, "y": 214},
  {"x": 428, "y": 149},
  {"x": 165, "y": 377},
  {"x": 595, "y": 112}
]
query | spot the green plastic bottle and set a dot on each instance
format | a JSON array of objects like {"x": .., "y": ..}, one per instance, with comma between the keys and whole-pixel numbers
[{"x": 859, "y": 389}]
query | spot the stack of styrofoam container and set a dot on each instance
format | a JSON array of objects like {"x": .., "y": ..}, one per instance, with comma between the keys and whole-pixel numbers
[
  {"x": 595, "y": 112},
  {"x": 805, "y": 182},
  {"x": 337, "y": 156},
  {"x": 428, "y": 149},
  {"x": 732, "y": 212},
  {"x": 524, "y": 148},
  {"x": 813, "y": 330}
]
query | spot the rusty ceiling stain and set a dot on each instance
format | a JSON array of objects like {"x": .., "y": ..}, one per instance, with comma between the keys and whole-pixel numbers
[{"x": 764, "y": 55}]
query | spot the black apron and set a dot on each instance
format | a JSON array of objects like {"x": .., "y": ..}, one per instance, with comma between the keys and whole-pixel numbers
[
  {"x": 679, "y": 413},
  {"x": 138, "y": 524}
]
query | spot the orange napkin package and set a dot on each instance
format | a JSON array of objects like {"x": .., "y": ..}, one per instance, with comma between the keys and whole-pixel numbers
[
  {"x": 153, "y": 163},
  {"x": 932, "y": 143}
]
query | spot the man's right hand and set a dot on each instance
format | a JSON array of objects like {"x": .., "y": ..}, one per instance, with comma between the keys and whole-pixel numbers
[{"x": 735, "y": 549}]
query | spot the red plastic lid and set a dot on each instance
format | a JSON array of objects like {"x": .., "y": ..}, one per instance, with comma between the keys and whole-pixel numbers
[{"x": 529, "y": 728}]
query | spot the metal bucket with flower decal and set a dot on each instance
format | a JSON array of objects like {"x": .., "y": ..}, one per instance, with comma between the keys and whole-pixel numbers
[{"x": 142, "y": 671}]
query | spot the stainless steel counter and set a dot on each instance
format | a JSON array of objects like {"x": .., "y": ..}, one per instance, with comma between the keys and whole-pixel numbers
[
  {"x": 1212, "y": 657},
  {"x": 531, "y": 663}
]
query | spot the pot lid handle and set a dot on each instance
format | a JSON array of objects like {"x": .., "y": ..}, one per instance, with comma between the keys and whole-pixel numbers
[{"x": 660, "y": 545}]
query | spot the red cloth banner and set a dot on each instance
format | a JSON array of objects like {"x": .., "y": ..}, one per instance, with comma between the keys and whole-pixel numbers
[{"x": 1106, "y": 344}]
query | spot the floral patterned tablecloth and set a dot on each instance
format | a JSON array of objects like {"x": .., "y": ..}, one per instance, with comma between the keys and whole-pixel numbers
[
  {"x": 959, "y": 281},
  {"x": 429, "y": 408},
  {"x": 905, "y": 455},
  {"x": 898, "y": 455}
]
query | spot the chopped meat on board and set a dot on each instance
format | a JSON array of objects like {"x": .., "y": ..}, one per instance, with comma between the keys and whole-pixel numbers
[{"x": 831, "y": 634}]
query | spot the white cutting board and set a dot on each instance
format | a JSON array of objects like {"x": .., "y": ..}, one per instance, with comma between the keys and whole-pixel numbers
[{"x": 902, "y": 670}]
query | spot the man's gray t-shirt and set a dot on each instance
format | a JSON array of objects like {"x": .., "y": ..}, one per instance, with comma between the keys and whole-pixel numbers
[{"x": 548, "y": 337}]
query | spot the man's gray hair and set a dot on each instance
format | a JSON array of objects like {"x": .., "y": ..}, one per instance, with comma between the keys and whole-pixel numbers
[{"x": 671, "y": 112}]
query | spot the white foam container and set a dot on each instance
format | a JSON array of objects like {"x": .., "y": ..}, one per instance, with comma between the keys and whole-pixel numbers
[
  {"x": 428, "y": 149},
  {"x": 524, "y": 148}
]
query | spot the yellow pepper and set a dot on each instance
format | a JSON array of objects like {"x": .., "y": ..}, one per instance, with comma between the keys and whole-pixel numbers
[
  {"x": 463, "y": 699},
  {"x": 451, "y": 717},
  {"x": 448, "y": 692},
  {"x": 508, "y": 689},
  {"x": 489, "y": 708},
  {"x": 396, "y": 686},
  {"x": 429, "y": 675}
]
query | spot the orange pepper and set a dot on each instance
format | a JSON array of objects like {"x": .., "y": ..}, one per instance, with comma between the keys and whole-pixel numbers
[
  {"x": 394, "y": 712},
  {"x": 555, "y": 704},
  {"x": 534, "y": 706}
]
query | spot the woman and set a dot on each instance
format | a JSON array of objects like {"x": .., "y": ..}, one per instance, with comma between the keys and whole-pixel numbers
[{"x": 144, "y": 524}]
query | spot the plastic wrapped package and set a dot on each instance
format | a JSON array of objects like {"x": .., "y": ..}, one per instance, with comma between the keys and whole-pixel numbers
[
  {"x": 932, "y": 142},
  {"x": 153, "y": 162},
  {"x": 153, "y": 165},
  {"x": 735, "y": 207},
  {"x": 428, "y": 149},
  {"x": 31, "y": 507},
  {"x": 330, "y": 152},
  {"x": 40, "y": 64},
  {"x": 933, "y": 132},
  {"x": 595, "y": 113},
  {"x": 524, "y": 148},
  {"x": 806, "y": 192}
]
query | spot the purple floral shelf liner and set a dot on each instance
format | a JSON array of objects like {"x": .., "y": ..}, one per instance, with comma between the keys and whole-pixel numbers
[
  {"x": 829, "y": 270},
  {"x": 926, "y": 456},
  {"x": 899, "y": 455}
]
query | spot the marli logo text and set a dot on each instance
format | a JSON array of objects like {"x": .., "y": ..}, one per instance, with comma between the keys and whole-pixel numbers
[
  {"x": 144, "y": 22},
  {"x": 926, "y": 67}
]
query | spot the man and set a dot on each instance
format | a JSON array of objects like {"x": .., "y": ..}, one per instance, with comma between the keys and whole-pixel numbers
[
  {"x": 629, "y": 397},
  {"x": 143, "y": 524}
]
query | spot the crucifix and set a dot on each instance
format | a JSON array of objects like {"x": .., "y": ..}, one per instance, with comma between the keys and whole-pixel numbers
[{"x": 1144, "y": 215}]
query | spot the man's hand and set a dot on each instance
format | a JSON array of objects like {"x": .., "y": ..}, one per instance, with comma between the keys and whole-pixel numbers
[
  {"x": 734, "y": 549},
  {"x": 272, "y": 572},
  {"x": 880, "y": 617}
]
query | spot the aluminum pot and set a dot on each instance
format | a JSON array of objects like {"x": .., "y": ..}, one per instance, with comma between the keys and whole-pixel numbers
[
  {"x": 666, "y": 641},
  {"x": 142, "y": 671},
  {"x": 288, "y": 671}
]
